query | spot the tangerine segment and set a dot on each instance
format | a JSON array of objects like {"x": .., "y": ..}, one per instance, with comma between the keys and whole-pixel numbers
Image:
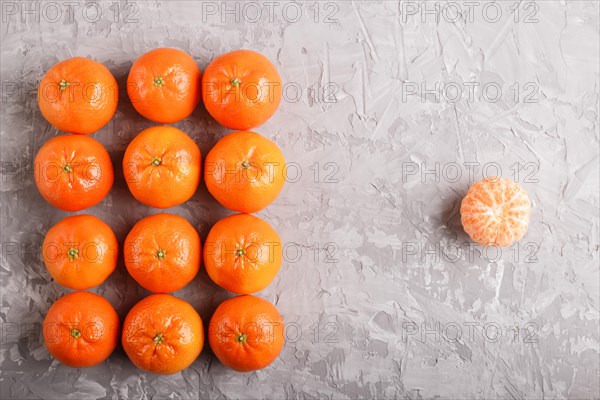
[
  {"x": 495, "y": 212},
  {"x": 81, "y": 329},
  {"x": 242, "y": 253},
  {"x": 246, "y": 333},
  {"x": 162, "y": 167},
  {"x": 162, "y": 334},
  {"x": 163, "y": 252}
]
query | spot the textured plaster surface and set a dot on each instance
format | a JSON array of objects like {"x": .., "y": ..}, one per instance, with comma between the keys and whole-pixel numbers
[{"x": 383, "y": 294}]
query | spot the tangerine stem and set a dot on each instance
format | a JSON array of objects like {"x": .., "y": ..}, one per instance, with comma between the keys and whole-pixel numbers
[
  {"x": 67, "y": 168},
  {"x": 73, "y": 253},
  {"x": 240, "y": 252},
  {"x": 246, "y": 164},
  {"x": 235, "y": 82},
  {"x": 241, "y": 338},
  {"x": 159, "y": 338},
  {"x": 159, "y": 81},
  {"x": 75, "y": 333},
  {"x": 156, "y": 161},
  {"x": 63, "y": 85},
  {"x": 160, "y": 254}
]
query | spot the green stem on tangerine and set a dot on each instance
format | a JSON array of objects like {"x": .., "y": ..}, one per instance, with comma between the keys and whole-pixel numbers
[
  {"x": 64, "y": 84},
  {"x": 235, "y": 82},
  {"x": 156, "y": 161},
  {"x": 159, "y": 338},
  {"x": 246, "y": 164},
  {"x": 75, "y": 333},
  {"x": 241, "y": 338},
  {"x": 160, "y": 254},
  {"x": 159, "y": 81},
  {"x": 240, "y": 252},
  {"x": 67, "y": 168},
  {"x": 73, "y": 253}
]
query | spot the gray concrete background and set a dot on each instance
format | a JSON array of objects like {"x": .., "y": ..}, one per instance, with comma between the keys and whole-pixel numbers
[{"x": 381, "y": 290}]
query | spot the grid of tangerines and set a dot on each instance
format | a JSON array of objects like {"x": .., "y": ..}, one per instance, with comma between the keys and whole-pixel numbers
[
  {"x": 163, "y": 253},
  {"x": 162, "y": 166}
]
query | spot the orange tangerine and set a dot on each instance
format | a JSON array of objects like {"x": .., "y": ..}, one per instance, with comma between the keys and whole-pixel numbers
[{"x": 495, "y": 212}]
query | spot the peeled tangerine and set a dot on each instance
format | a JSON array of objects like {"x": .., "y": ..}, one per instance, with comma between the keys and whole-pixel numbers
[{"x": 495, "y": 212}]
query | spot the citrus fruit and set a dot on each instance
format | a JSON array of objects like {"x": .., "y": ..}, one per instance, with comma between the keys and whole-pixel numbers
[
  {"x": 162, "y": 334},
  {"x": 80, "y": 252},
  {"x": 73, "y": 172},
  {"x": 162, "y": 252},
  {"x": 81, "y": 329},
  {"x": 244, "y": 171},
  {"x": 246, "y": 333},
  {"x": 241, "y": 89},
  {"x": 78, "y": 95},
  {"x": 242, "y": 253},
  {"x": 162, "y": 167},
  {"x": 495, "y": 212},
  {"x": 164, "y": 85}
]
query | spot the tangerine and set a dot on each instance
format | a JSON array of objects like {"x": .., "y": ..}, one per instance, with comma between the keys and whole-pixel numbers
[
  {"x": 162, "y": 167},
  {"x": 164, "y": 85},
  {"x": 495, "y": 212},
  {"x": 163, "y": 334},
  {"x": 80, "y": 251},
  {"x": 78, "y": 95},
  {"x": 81, "y": 329},
  {"x": 241, "y": 89},
  {"x": 246, "y": 333},
  {"x": 73, "y": 172},
  {"x": 244, "y": 171},
  {"x": 162, "y": 252},
  {"x": 242, "y": 253}
]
